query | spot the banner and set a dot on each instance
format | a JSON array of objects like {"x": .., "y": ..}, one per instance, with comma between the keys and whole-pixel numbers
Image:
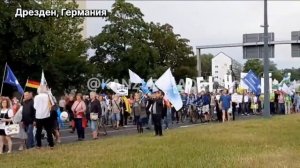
[
  {"x": 188, "y": 85},
  {"x": 252, "y": 81}
]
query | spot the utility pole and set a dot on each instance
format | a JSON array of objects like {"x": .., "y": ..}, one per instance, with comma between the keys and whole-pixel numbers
[{"x": 266, "y": 112}]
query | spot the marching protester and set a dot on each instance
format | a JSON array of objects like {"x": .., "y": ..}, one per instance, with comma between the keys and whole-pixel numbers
[
  {"x": 28, "y": 119},
  {"x": 225, "y": 101},
  {"x": 95, "y": 114},
  {"x": 167, "y": 112},
  {"x": 104, "y": 108},
  {"x": 116, "y": 110},
  {"x": 86, "y": 100},
  {"x": 6, "y": 115},
  {"x": 122, "y": 113},
  {"x": 69, "y": 104},
  {"x": 127, "y": 109},
  {"x": 54, "y": 120},
  {"x": 156, "y": 110},
  {"x": 139, "y": 109},
  {"x": 212, "y": 105},
  {"x": 205, "y": 108},
  {"x": 281, "y": 103},
  {"x": 79, "y": 110},
  {"x": 42, "y": 115},
  {"x": 17, "y": 118},
  {"x": 254, "y": 104},
  {"x": 219, "y": 108},
  {"x": 287, "y": 104},
  {"x": 297, "y": 102}
]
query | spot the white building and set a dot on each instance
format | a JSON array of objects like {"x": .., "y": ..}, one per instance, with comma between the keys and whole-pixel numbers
[
  {"x": 82, "y": 5},
  {"x": 223, "y": 65}
]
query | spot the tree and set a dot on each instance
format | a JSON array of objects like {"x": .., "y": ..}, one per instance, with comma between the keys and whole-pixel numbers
[
  {"x": 54, "y": 44},
  {"x": 127, "y": 41},
  {"x": 295, "y": 73},
  {"x": 206, "y": 64},
  {"x": 256, "y": 65}
]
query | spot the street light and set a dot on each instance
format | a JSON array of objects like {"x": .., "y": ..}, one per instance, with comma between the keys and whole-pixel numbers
[{"x": 266, "y": 111}]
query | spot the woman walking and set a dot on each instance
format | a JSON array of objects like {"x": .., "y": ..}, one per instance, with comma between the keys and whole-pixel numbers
[
  {"x": 95, "y": 114},
  {"x": 139, "y": 109},
  {"x": 17, "y": 118},
  {"x": 69, "y": 104},
  {"x": 116, "y": 110},
  {"x": 79, "y": 109},
  {"x": 6, "y": 115}
]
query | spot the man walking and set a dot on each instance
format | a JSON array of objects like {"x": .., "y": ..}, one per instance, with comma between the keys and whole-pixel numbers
[
  {"x": 157, "y": 108},
  {"x": 42, "y": 115},
  {"x": 28, "y": 118}
]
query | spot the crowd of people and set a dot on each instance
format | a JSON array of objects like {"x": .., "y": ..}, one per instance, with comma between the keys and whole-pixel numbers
[{"x": 37, "y": 113}]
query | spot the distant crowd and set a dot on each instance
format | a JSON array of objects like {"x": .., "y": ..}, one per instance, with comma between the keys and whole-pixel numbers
[{"x": 97, "y": 111}]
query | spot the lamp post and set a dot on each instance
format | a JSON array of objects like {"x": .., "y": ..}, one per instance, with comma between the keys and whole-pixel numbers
[{"x": 266, "y": 111}]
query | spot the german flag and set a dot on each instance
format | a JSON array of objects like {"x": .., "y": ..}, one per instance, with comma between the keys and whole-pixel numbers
[{"x": 32, "y": 84}]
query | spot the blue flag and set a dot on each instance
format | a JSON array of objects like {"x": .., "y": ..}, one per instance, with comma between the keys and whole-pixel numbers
[
  {"x": 12, "y": 80},
  {"x": 253, "y": 82},
  {"x": 103, "y": 85},
  {"x": 145, "y": 88}
]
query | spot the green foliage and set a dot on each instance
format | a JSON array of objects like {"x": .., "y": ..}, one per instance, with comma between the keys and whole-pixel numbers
[
  {"x": 206, "y": 64},
  {"x": 128, "y": 42},
  {"x": 54, "y": 44},
  {"x": 256, "y": 65},
  {"x": 295, "y": 73}
]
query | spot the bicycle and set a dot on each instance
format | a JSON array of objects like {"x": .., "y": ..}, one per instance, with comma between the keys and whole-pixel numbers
[
  {"x": 199, "y": 112},
  {"x": 183, "y": 113}
]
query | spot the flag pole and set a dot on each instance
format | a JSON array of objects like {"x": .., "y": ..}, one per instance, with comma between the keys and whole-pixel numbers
[
  {"x": 24, "y": 90},
  {"x": 3, "y": 79}
]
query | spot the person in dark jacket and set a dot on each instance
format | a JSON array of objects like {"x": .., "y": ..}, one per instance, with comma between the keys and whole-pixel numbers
[
  {"x": 95, "y": 109},
  {"x": 156, "y": 111},
  {"x": 28, "y": 118},
  {"x": 69, "y": 104}
]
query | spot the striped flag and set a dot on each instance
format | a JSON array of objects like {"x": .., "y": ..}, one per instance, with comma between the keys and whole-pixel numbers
[{"x": 32, "y": 84}]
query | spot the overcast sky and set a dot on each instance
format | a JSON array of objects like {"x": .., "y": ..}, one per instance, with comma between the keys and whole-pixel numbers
[{"x": 218, "y": 22}]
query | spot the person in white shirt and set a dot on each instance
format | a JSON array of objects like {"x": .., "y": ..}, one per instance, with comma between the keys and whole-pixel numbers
[
  {"x": 42, "y": 106},
  {"x": 5, "y": 118}
]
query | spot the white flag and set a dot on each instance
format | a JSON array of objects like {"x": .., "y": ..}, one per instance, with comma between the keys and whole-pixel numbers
[
  {"x": 168, "y": 85},
  {"x": 286, "y": 89},
  {"x": 134, "y": 78},
  {"x": 150, "y": 83},
  {"x": 43, "y": 79}
]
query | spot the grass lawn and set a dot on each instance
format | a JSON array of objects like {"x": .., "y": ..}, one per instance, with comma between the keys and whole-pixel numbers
[{"x": 263, "y": 143}]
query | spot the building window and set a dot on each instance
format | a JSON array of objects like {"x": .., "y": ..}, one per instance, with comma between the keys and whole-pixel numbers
[
  {"x": 216, "y": 66},
  {"x": 216, "y": 77},
  {"x": 216, "y": 71}
]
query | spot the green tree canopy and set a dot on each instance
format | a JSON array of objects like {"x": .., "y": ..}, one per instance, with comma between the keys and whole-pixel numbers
[
  {"x": 128, "y": 42},
  {"x": 256, "y": 65},
  {"x": 206, "y": 64},
  {"x": 54, "y": 44}
]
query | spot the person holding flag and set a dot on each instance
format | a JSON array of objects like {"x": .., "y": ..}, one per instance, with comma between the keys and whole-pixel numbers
[
  {"x": 42, "y": 115},
  {"x": 156, "y": 111}
]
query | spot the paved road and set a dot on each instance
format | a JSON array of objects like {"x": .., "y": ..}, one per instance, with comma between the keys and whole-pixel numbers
[{"x": 67, "y": 137}]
